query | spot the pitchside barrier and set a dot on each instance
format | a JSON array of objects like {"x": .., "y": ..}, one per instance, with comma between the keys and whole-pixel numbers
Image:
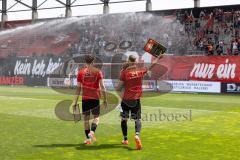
[
  {"x": 23, "y": 81},
  {"x": 230, "y": 88},
  {"x": 160, "y": 86},
  {"x": 148, "y": 85},
  {"x": 110, "y": 84},
  {"x": 190, "y": 86}
]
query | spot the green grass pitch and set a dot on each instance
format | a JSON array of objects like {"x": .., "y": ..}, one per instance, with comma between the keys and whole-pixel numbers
[{"x": 30, "y": 130}]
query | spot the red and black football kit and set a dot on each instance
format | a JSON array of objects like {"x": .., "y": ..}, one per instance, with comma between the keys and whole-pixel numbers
[
  {"x": 90, "y": 77},
  {"x": 132, "y": 80}
]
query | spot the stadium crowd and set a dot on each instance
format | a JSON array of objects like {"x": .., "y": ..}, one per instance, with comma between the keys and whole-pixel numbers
[
  {"x": 214, "y": 32},
  {"x": 211, "y": 32}
]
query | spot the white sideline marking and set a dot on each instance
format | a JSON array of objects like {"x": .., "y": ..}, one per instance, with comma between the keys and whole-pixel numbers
[
  {"x": 34, "y": 99},
  {"x": 155, "y": 107}
]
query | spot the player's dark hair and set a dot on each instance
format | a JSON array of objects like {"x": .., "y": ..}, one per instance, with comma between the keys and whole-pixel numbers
[
  {"x": 132, "y": 58},
  {"x": 89, "y": 59}
]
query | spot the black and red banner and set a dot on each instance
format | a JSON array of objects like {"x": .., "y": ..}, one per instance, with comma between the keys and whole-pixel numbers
[
  {"x": 12, "y": 80},
  {"x": 201, "y": 68}
]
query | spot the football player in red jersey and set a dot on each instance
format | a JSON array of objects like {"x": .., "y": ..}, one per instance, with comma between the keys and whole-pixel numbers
[
  {"x": 90, "y": 82},
  {"x": 131, "y": 78}
]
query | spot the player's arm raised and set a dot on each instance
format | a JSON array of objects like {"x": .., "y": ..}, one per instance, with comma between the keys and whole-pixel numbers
[
  {"x": 155, "y": 61},
  {"x": 104, "y": 92}
]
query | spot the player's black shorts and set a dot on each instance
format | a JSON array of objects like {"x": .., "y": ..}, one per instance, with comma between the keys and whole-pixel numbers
[
  {"x": 131, "y": 105},
  {"x": 91, "y": 105}
]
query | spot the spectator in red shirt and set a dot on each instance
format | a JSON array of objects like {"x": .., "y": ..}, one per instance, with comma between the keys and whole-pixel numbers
[
  {"x": 131, "y": 78},
  {"x": 90, "y": 82}
]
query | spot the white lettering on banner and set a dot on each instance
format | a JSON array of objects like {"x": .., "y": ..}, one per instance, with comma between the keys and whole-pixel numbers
[
  {"x": 22, "y": 68},
  {"x": 37, "y": 68},
  {"x": 194, "y": 86},
  {"x": 53, "y": 66},
  {"x": 206, "y": 71},
  {"x": 233, "y": 88},
  {"x": 226, "y": 71},
  {"x": 201, "y": 70}
]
